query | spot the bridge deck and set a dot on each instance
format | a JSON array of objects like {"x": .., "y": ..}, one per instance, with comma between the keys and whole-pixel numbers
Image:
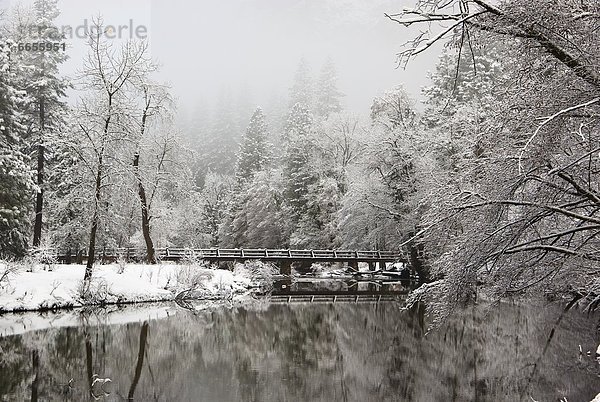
[{"x": 213, "y": 254}]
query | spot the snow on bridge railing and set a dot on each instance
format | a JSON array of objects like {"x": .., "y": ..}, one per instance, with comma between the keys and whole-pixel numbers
[{"x": 177, "y": 253}]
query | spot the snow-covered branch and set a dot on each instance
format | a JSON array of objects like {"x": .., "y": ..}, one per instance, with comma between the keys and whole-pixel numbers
[{"x": 548, "y": 119}]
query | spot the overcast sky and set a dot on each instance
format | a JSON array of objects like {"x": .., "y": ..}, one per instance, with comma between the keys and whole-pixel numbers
[{"x": 205, "y": 47}]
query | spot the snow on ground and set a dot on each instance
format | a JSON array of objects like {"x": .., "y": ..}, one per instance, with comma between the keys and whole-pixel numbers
[
  {"x": 62, "y": 286},
  {"x": 13, "y": 324}
]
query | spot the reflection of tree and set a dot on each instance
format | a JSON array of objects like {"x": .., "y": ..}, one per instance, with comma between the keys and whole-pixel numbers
[
  {"x": 140, "y": 360},
  {"x": 13, "y": 363},
  {"x": 89, "y": 362},
  {"x": 350, "y": 352},
  {"x": 35, "y": 362}
]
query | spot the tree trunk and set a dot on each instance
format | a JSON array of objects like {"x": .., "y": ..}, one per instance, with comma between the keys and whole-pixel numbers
[
  {"x": 417, "y": 259},
  {"x": 150, "y": 253},
  {"x": 39, "y": 201},
  {"x": 95, "y": 220},
  {"x": 96, "y": 217}
]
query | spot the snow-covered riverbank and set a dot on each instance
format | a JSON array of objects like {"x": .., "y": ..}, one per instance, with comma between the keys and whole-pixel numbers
[
  {"x": 23, "y": 289},
  {"x": 22, "y": 322}
]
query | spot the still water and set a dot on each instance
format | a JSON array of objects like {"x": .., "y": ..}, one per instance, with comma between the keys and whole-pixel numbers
[{"x": 356, "y": 351}]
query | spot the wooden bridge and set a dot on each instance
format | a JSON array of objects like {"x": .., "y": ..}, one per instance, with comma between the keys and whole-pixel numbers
[{"x": 284, "y": 257}]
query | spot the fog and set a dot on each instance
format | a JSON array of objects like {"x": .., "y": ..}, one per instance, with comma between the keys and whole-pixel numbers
[{"x": 252, "y": 48}]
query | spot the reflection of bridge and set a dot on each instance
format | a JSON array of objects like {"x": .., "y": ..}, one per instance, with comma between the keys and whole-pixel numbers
[
  {"x": 331, "y": 290},
  {"x": 284, "y": 258},
  {"x": 335, "y": 298}
]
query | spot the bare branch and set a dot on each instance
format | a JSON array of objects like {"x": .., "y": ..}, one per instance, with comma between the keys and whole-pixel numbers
[{"x": 547, "y": 120}]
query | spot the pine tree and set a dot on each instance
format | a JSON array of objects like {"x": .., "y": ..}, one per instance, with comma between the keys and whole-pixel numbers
[
  {"x": 302, "y": 89},
  {"x": 327, "y": 94},
  {"x": 15, "y": 177},
  {"x": 194, "y": 129},
  {"x": 45, "y": 109},
  {"x": 298, "y": 170},
  {"x": 298, "y": 124},
  {"x": 276, "y": 111},
  {"x": 222, "y": 138},
  {"x": 252, "y": 158},
  {"x": 317, "y": 227},
  {"x": 462, "y": 77},
  {"x": 259, "y": 221},
  {"x": 463, "y": 95},
  {"x": 66, "y": 199},
  {"x": 254, "y": 153}
]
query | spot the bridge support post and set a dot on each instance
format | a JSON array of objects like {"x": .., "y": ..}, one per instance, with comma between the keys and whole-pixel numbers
[
  {"x": 353, "y": 265},
  {"x": 371, "y": 266},
  {"x": 285, "y": 267},
  {"x": 382, "y": 265}
]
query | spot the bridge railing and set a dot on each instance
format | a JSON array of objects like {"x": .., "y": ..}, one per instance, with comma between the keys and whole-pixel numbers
[
  {"x": 302, "y": 254},
  {"x": 179, "y": 253}
]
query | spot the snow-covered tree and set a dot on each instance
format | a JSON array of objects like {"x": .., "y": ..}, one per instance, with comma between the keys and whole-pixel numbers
[
  {"x": 215, "y": 201},
  {"x": 302, "y": 90},
  {"x": 389, "y": 184},
  {"x": 259, "y": 219},
  {"x": 66, "y": 198},
  {"x": 394, "y": 109},
  {"x": 317, "y": 226},
  {"x": 520, "y": 211},
  {"x": 155, "y": 152},
  {"x": 101, "y": 135},
  {"x": 15, "y": 175},
  {"x": 328, "y": 96},
  {"x": 194, "y": 127},
  {"x": 340, "y": 141},
  {"x": 220, "y": 141},
  {"x": 39, "y": 77},
  {"x": 255, "y": 152},
  {"x": 366, "y": 216},
  {"x": 297, "y": 164},
  {"x": 276, "y": 110}
]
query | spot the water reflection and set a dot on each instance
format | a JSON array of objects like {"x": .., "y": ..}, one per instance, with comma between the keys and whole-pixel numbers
[
  {"x": 309, "y": 352},
  {"x": 313, "y": 286}
]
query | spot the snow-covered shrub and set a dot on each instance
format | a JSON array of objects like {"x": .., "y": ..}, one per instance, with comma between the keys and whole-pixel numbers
[
  {"x": 436, "y": 296},
  {"x": 121, "y": 264},
  {"x": 193, "y": 260},
  {"x": 191, "y": 277},
  {"x": 42, "y": 256},
  {"x": 7, "y": 269},
  {"x": 260, "y": 273},
  {"x": 95, "y": 291}
]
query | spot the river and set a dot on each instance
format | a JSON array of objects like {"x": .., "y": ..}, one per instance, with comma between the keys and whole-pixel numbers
[{"x": 354, "y": 350}]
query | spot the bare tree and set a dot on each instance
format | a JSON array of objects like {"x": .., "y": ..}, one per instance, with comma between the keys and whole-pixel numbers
[
  {"x": 155, "y": 102},
  {"x": 107, "y": 76}
]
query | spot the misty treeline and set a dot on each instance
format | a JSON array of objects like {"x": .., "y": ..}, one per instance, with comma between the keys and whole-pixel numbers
[
  {"x": 117, "y": 168},
  {"x": 491, "y": 180}
]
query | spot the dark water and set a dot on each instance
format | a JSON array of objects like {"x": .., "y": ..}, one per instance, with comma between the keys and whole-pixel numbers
[{"x": 305, "y": 352}]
